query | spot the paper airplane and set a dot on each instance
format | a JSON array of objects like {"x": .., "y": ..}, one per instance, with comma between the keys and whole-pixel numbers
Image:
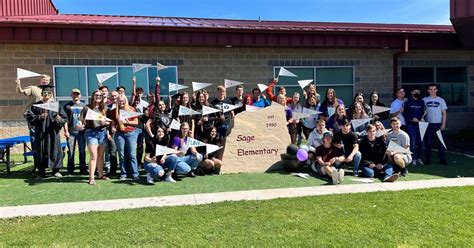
[
  {"x": 22, "y": 73},
  {"x": 379, "y": 109},
  {"x": 139, "y": 67},
  {"x": 286, "y": 73},
  {"x": 94, "y": 116},
  {"x": 422, "y": 126},
  {"x": 186, "y": 111},
  {"x": 208, "y": 110},
  {"x": 262, "y": 87},
  {"x": 440, "y": 137},
  {"x": 311, "y": 111},
  {"x": 102, "y": 77},
  {"x": 251, "y": 108},
  {"x": 51, "y": 106},
  {"x": 128, "y": 114},
  {"x": 359, "y": 122},
  {"x": 300, "y": 115},
  {"x": 176, "y": 87},
  {"x": 197, "y": 85},
  {"x": 210, "y": 148},
  {"x": 394, "y": 147},
  {"x": 160, "y": 67},
  {"x": 194, "y": 142},
  {"x": 363, "y": 180},
  {"x": 304, "y": 83},
  {"x": 175, "y": 125},
  {"x": 228, "y": 107},
  {"x": 162, "y": 150},
  {"x": 302, "y": 175},
  {"x": 231, "y": 83},
  {"x": 382, "y": 132}
]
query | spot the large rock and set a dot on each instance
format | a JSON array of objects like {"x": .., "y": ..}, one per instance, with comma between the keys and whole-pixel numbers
[{"x": 256, "y": 141}]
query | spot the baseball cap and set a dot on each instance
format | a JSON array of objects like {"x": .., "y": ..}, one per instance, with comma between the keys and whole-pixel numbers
[
  {"x": 327, "y": 134},
  {"x": 75, "y": 90}
]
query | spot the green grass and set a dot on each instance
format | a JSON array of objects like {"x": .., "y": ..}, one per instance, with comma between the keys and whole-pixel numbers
[
  {"x": 440, "y": 217},
  {"x": 20, "y": 188}
]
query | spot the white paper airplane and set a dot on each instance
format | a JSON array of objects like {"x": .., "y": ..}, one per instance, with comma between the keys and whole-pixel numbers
[
  {"x": 251, "y": 108},
  {"x": 210, "y": 148},
  {"x": 208, "y": 110},
  {"x": 304, "y": 83},
  {"x": 300, "y": 115},
  {"x": 51, "y": 106},
  {"x": 262, "y": 87},
  {"x": 302, "y": 175},
  {"x": 422, "y": 126},
  {"x": 228, "y": 107},
  {"x": 162, "y": 150},
  {"x": 363, "y": 180},
  {"x": 194, "y": 142},
  {"x": 311, "y": 111},
  {"x": 394, "y": 147},
  {"x": 176, "y": 87},
  {"x": 22, "y": 73},
  {"x": 440, "y": 137},
  {"x": 286, "y": 73},
  {"x": 139, "y": 67},
  {"x": 160, "y": 67},
  {"x": 197, "y": 85},
  {"x": 359, "y": 122},
  {"x": 102, "y": 77},
  {"x": 382, "y": 132},
  {"x": 94, "y": 116},
  {"x": 231, "y": 83},
  {"x": 186, "y": 111},
  {"x": 128, "y": 114},
  {"x": 379, "y": 109},
  {"x": 175, "y": 124}
]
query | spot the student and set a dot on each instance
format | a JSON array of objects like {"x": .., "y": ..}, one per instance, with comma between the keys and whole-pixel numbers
[
  {"x": 211, "y": 163},
  {"x": 110, "y": 160},
  {"x": 375, "y": 101},
  {"x": 155, "y": 165},
  {"x": 204, "y": 123},
  {"x": 335, "y": 121},
  {"x": 328, "y": 107},
  {"x": 347, "y": 141},
  {"x": 259, "y": 99},
  {"x": 160, "y": 117},
  {"x": 74, "y": 132},
  {"x": 281, "y": 91},
  {"x": 47, "y": 125},
  {"x": 413, "y": 113},
  {"x": 309, "y": 123},
  {"x": 96, "y": 135},
  {"x": 358, "y": 112},
  {"x": 436, "y": 116},
  {"x": 248, "y": 100},
  {"x": 188, "y": 157},
  {"x": 140, "y": 106},
  {"x": 311, "y": 91},
  {"x": 397, "y": 107},
  {"x": 185, "y": 102},
  {"x": 374, "y": 161},
  {"x": 238, "y": 99},
  {"x": 223, "y": 121},
  {"x": 397, "y": 135},
  {"x": 315, "y": 139},
  {"x": 296, "y": 107},
  {"x": 329, "y": 159},
  {"x": 290, "y": 121},
  {"x": 359, "y": 98}
]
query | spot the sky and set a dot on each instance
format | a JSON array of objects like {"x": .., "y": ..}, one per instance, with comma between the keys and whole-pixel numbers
[{"x": 372, "y": 11}]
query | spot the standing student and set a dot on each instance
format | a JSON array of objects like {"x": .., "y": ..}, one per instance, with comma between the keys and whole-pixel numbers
[
  {"x": 224, "y": 121},
  {"x": 203, "y": 123},
  {"x": 397, "y": 107},
  {"x": 436, "y": 116},
  {"x": 141, "y": 106},
  {"x": 414, "y": 111},
  {"x": 375, "y": 101},
  {"x": 400, "y": 137},
  {"x": 238, "y": 99},
  {"x": 296, "y": 107},
  {"x": 290, "y": 121},
  {"x": 347, "y": 141},
  {"x": 281, "y": 91},
  {"x": 155, "y": 165},
  {"x": 259, "y": 99},
  {"x": 110, "y": 160},
  {"x": 74, "y": 132}
]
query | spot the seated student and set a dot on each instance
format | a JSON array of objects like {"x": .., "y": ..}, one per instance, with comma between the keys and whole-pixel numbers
[
  {"x": 400, "y": 160},
  {"x": 155, "y": 165},
  {"x": 374, "y": 161},
  {"x": 380, "y": 127},
  {"x": 329, "y": 159},
  {"x": 328, "y": 107},
  {"x": 188, "y": 157},
  {"x": 335, "y": 121},
  {"x": 315, "y": 138},
  {"x": 211, "y": 163},
  {"x": 359, "y": 98},
  {"x": 347, "y": 141}
]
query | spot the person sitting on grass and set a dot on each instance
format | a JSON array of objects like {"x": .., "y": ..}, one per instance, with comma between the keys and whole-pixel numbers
[
  {"x": 329, "y": 159},
  {"x": 211, "y": 164},
  {"x": 155, "y": 165},
  {"x": 316, "y": 139},
  {"x": 400, "y": 160},
  {"x": 347, "y": 141},
  {"x": 188, "y": 157},
  {"x": 374, "y": 161}
]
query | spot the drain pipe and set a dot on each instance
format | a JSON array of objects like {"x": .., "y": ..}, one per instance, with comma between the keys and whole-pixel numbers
[{"x": 395, "y": 65}]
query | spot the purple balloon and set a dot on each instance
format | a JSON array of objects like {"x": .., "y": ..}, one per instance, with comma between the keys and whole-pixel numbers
[{"x": 301, "y": 155}]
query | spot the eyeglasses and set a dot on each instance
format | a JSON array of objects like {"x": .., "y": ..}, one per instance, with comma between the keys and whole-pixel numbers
[{"x": 46, "y": 93}]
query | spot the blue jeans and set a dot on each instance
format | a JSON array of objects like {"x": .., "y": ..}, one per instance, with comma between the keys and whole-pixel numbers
[
  {"x": 429, "y": 136},
  {"x": 140, "y": 139},
  {"x": 186, "y": 163},
  {"x": 371, "y": 172},
  {"x": 71, "y": 146},
  {"x": 355, "y": 160},
  {"x": 126, "y": 148},
  {"x": 96, "y": 137},
  {"x": 156, "y": 169},
  {"x": 416, "y": 147}
]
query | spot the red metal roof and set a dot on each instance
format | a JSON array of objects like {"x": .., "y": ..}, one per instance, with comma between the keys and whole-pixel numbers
[
  {"x": 27, "y": 7},
  {"x": 74, "y": 20}
]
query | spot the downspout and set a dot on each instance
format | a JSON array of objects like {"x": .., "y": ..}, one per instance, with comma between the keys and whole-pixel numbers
[{"x": 395, "y": 65}]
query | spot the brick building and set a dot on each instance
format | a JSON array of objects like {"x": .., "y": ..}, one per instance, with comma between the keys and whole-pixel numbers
[{"x": 350, "y": 57}]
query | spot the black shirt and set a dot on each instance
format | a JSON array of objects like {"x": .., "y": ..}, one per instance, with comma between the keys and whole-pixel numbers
[
  {"x": 373, "y": 151},
  {"x": 349, "y": 140},
  {"x": 218, "y": 104},
  {"x": 151, "y": 144},
  {"x": 238, "y": 102}
]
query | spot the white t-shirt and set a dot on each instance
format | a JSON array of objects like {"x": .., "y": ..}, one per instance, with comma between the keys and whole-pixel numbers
[
  {"x": 434, "y": 109},
  {"x": 395, "y": 106}
]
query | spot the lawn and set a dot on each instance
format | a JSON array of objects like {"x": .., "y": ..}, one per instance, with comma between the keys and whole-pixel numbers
[
  {"x": 20, "y": 188},
  {"x": 441, "y": 217}
]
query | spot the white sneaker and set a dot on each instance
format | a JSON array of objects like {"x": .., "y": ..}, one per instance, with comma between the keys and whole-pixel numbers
[
  {"x": 149, "y": 179},
  {"x": 340, "y": 177},
  {"x": 57, "y": 175},
  {"x": 413, "y": 163},
  {"x": 169, "y": 179},
  {"x": 420, "y": 162},
  {"x": 334, "y": 176}
]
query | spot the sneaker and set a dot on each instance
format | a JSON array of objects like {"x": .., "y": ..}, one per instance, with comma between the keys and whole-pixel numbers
[
  {"x": 149, "y": 179},
  {"x": 443, "y": 162},
  {"x": 57, "y": 175},
  {"x": 135, "y": 178},
  {"x": 404, "y": 172},
  {"x": 170, "y": 179},
  {"x": 340, "y": 177},
  {"x": 391, "y": 178},
  {"x": 334, "y": 176},
  {"x": 122, "y": 178},
  {"x": 420, "y": 162},
  {"x": 414, "y": 163},
  {"x": 356, "y": 174}
]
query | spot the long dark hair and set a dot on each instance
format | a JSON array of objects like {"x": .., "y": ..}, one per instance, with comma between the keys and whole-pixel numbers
[
  {"x": 378, "y": 98},
  {"x": 326, "y": 102},
  {"x": 198, "y": 104}
]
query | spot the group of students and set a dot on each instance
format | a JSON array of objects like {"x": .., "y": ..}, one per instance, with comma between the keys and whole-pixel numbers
[{"x": 125, "y": 137}]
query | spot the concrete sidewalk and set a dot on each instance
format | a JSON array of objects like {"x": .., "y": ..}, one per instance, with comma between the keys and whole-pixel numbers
[{"x": 199, "y": 199}]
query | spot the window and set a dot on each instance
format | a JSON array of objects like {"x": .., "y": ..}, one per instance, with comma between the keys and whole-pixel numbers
[
  {"x": 452, "y": 82},
  {"x": 339, "y": 78},
  {"x": 84, "y": 78}
]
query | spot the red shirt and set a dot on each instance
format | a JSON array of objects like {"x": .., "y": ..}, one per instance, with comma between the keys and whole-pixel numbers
[{"x": 126, "y": 128}]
